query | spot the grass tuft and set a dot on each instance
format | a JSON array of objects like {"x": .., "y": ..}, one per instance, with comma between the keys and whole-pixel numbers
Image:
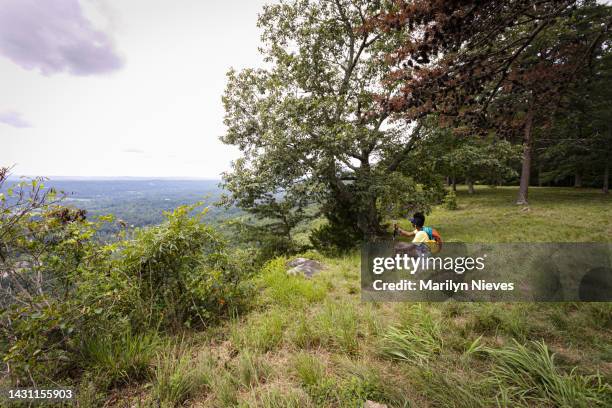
[
  {"x": 120, "y": 360},
  {"x": 262, "y": 332},
  {"x": 178, "y": 377},
  {"x": 415, "y": 343},
  {"x": 529, "y": 374},
  {"x": 252, "y": 369},
  {"x": 309, "y": 369}
]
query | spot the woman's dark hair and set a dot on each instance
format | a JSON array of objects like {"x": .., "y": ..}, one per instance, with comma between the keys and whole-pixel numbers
[{"x": 418, "y": 219}]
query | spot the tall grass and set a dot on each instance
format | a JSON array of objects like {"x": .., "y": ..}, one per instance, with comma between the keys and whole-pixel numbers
[
  {"x": 121, "y": 360},
  {"x": 252, "y": 369},
  {"x": 337, "y": 326},
  {"x": 262, "y": 333},
  {"x": 290, "y": 291},
  {"x": 277, "y": 397},
  {"x": 529, "y": 374},
  {"x": 309, "y": 369},
  {"x": 178, "y": 376},
  {"x": 415, "y": 343}
]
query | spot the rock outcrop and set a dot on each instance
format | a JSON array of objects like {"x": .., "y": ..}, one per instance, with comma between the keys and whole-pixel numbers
[{"x": 304, "y": 266}]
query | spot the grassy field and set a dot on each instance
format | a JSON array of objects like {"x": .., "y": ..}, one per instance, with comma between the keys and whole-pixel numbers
[
  {"x": 313, "y": 343},
  {"x": 553, "y": 215}
]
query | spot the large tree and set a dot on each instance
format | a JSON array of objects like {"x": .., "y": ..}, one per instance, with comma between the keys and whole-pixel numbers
[
  {"x": 305, "y": 122},
  {"x": 490, "y": 64}
]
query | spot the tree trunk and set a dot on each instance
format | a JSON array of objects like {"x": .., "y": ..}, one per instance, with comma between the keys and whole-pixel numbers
[
  {"x": 606, "y": 180},
  {"x": 470, "y": 185},
  {"x": 369, "y": 222},
  {"x": 578, "y": 180},
  {"x": 448, "y": 181},
  {"x": 526, "y": 167},
  {"x": 454, "y": 183}
]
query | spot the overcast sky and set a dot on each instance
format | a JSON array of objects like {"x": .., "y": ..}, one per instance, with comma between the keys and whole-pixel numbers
[{"x": 120, "y": 87}]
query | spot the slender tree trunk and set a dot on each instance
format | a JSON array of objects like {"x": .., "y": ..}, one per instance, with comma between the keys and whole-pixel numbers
[
  {"x": 526, "y": 167},
  {"x": 606, "y": 180},
  {"x": 578, "y": 179},
  {"x": 448, "y": 181},
  {"x": 454, "y": 183},
  {"x": 470, "y": 185}
]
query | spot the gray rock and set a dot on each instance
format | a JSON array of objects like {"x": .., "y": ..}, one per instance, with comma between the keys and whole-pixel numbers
[
  {"x": 304, "y": 266},
  {"x": 372, "y": 404}
]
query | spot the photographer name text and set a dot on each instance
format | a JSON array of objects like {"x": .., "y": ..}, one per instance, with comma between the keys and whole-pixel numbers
[{"x": 445, "y": 286}]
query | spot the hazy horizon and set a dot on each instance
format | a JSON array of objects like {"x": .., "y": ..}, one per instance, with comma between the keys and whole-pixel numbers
[{"x": 111, "y": 178}]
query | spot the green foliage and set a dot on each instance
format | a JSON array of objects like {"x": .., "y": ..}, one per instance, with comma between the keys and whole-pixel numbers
[
  {"x": 119, "y": 359},
  {"x": 355, "y": 382},
  {"x": 178, "y": 377},
  {"x": 304, "y": 123},
  {"x": 335, "y": 238},
  {"x": 62, "y": 288},
  {"x": 309, "y": 369},
  {"x": 447, "y": 389},
  {"x": 337, "y": 326},
  {"x": 262, "y": 241},
  {"x": 529, "y": 374},
  {"x": 263, "y": 332},
  {"x": 491, "y": 162},
  {"x": 400, "y": 196},
  {"x": 59, "y": 286},
  {"x": 450, "y": 201},
  {"x": 252, "y": 369},
  {"x": 287, "y": 290},
  {"x": 414, "y": 343},
  {"x": 226, "y": 389},
  {"x": 277, "y": 397},
  {"x": 184, "y": 273}
]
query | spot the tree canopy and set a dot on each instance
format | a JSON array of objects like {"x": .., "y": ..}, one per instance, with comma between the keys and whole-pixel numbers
[{"x": 305, "y": 123}]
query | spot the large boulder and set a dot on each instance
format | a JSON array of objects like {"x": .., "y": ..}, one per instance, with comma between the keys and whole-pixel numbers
[{"x": 304, "y": 266}]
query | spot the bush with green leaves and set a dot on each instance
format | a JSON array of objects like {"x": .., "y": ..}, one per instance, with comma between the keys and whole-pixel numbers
[
  {"x": 450, "y": 201},
  {"x": 183, "y": 270},
  {"x": 57, "y": 284},
  {"x": 61, "y": 288}
]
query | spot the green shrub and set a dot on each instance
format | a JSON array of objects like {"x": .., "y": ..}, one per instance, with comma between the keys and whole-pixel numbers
[
  {"x": 450, "y": 201},
  {"x": 333, "y": 239},
  {"x": 70, "y": 288},
  {"x": 183, "y": 270}
]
